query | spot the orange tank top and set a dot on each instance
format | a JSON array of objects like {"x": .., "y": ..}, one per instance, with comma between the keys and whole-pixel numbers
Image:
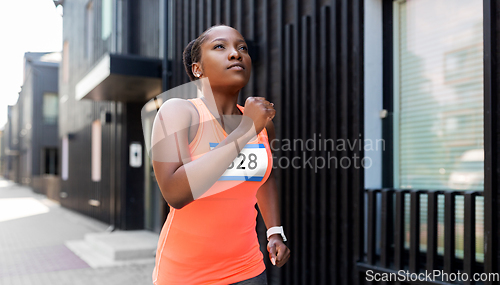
[{"x": 213, "y": 240}]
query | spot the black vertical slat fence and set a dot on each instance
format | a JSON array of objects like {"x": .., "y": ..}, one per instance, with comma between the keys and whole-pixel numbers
[
  {"x": 413, "y": 258},
  {"x": 432, "y": 229},
  {"x": 344, "y": 177},
  {"x": 469, "y": 237},
  {"x": 253, "y": 39},
  {"x": 356, "y": 124},
  {"x": 414, "y": 230},
  {"x": 399, "y": 230},
  {"x": 323, "y": 100},
  {"x": 227, "y": 12},
  {"x": 305, "y": 231},
  {"x": 312, "y": 27},
  {"x": 386, "y": 227},
  {"x": 202, "y": 14},
  {"x": 491, "y": 44},
  {"x": 308, "y": 58},
  {"x": 286, "y": 177},
  {"x": 449, "y": 232},
  {"x": 372, "y": 227}
]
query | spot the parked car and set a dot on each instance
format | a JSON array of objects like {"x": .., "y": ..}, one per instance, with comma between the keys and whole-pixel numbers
[{"x": 469, "y": 171}]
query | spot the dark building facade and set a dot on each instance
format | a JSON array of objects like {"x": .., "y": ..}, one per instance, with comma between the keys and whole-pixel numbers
[
  {"x": 106, "y": 76},
  {"x": 340, "y": 70}
]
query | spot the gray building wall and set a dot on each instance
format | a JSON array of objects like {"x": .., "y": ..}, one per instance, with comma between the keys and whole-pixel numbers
[
  {"x": 46, "y": 80},
  {"x": 15, "y": 173},
  {"x": 7, "y": 156},
  {"x": 26, "y": 134},
  {"x": 34, "y": 133}
]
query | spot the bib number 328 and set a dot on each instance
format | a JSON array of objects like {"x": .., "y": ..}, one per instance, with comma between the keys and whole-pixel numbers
[
  {"x": 249, "y": 165},
  {"x": 252, "y": 162}
]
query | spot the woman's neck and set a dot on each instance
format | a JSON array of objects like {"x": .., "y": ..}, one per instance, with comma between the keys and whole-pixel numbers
[{"x": 225, "y": 102}]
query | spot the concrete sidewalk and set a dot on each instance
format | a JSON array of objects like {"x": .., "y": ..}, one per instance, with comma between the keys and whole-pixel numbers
[{"x": 33, "y": 234}]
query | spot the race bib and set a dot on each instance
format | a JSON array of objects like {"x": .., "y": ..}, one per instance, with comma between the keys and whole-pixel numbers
[{"x": 249, "y": 165}]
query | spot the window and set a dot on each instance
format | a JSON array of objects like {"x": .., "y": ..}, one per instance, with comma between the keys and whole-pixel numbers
[
  {"x": 50, "y": 108},
  {"x": 89, "y": 30},
  {"x": 65, "y": 158},
  {"x": 107, "y": 18},
  {"x": 96, "y": 150},
  {"x": 49, "y": 160},
  {"x": 438, "y": 105}
]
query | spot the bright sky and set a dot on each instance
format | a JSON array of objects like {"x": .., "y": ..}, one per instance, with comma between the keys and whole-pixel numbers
[{"x": 25, "y": 25}]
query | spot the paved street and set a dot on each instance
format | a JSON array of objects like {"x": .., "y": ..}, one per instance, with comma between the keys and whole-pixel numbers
[{"x": 33, "y": 230}]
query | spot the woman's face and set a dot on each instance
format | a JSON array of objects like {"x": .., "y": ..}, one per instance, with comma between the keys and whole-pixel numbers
[{"x": 224, "y": 48}]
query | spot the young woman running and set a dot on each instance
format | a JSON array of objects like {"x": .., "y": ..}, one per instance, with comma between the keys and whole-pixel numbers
[{"x": 209, "y": 236}]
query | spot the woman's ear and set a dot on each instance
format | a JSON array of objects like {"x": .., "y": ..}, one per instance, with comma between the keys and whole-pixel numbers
[{"x": 196, "y": 69}]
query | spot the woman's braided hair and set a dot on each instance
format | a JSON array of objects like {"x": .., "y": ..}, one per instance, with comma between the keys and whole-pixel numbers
[{"x": 192, "y": 52}]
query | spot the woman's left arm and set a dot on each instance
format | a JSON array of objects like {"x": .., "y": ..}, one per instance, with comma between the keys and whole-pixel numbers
[{"x": 268, "y": 201}]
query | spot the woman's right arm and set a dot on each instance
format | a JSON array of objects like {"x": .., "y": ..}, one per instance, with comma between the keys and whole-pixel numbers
[{"x": 181, "y": 180}]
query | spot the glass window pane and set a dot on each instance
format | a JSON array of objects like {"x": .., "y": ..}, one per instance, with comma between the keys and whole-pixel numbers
[
  {"x": 50, "y": 108},
  {"x": 89, "y": 29},
  {"x": 96, "y": 150},
  {"x": 438, "y": 105},
  {"x": 65, "y": 158},
  {"x": 107, "y": 17}
]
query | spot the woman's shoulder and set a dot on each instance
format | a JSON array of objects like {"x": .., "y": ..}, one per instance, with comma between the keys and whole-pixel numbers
[
  {"x": 178, "y": 106},
  {"x": 177, "y": 111},
  {"x": 176, "y": 103}
]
